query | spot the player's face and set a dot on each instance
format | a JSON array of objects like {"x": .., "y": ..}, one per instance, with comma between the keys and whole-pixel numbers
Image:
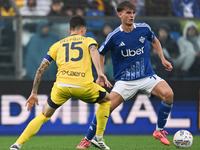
[{"x": 127, "y": 16}]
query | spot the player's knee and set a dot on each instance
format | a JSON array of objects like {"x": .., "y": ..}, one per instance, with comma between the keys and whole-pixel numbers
[
  {"x": 168, "y": 96},
  {"x": 106, "y": 98},
  {"x": 46, "y": 115}
]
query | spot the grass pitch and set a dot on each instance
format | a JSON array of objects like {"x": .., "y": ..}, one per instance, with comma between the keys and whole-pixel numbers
[{"x": 114, "y": 142}]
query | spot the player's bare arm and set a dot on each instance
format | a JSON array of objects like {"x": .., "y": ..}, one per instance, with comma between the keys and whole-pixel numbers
[
  {"x": 102, "y": 60},
  {"x": 156, "y": 44},
  {"x": 33, "y": 97},
  {"x": 102, "y": 79}
]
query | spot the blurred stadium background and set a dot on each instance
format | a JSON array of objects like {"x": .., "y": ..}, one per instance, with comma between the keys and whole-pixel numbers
[{"x": 29, "y": 27}]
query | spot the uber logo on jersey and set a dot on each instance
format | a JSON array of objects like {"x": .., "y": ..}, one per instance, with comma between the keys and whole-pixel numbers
[
  {"x": 142, "y": 39},
  {"x": 129, "y": 52}
]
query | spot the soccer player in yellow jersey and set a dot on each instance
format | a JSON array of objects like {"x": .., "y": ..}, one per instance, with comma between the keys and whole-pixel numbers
[{"x": 74, "y": 79}]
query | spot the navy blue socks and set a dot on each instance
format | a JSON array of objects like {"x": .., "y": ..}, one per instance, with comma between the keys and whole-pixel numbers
[
  {"x": 163, "y": 114},
  {"x": 92, "y": 129}
]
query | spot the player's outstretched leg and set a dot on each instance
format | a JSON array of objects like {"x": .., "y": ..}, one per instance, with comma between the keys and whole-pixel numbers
[
  {"x": 98, "y": 125},
  {"x": 32, "y": 128},
  {"x": 163, "y": 90},
  {"x": 103, "y": 113},
  {"x": 98, "y": 141},
  {"x": 85, "y": 143},
  {"x": 163, "y": 113}
]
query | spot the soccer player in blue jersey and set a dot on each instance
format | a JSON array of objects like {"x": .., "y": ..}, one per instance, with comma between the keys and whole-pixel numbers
[{"x": 129, "y": 46}]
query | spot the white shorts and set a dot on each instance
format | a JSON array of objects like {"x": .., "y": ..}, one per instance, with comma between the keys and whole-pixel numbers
[{"x": 127, "y": 89}]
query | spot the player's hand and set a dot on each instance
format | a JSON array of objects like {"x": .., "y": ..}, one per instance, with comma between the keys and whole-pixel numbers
[
  {"x": 102, "y": 81},
  {"x": 167, "y": 65},
  {"x": 31, "y": 101}
]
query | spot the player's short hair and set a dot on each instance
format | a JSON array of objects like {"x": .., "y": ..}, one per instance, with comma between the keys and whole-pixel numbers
[
  {"x": 77, "y": 22},
  {"x": 124, "y": 5}
]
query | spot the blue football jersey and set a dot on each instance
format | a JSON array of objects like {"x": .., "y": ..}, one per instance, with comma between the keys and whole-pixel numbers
[{"x": 130, "y": 52}]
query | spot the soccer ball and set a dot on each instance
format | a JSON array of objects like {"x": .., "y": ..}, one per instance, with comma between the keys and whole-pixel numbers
[{"x": 183, "y": 139}]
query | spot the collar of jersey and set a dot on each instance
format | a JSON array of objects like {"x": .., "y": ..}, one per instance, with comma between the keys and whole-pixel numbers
[{"x": 120, "y": 27}]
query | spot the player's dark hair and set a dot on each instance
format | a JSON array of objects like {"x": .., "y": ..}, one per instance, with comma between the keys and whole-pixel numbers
[
  {"x": 124, "y": 5},
  {"x": 77, "y": 22}
]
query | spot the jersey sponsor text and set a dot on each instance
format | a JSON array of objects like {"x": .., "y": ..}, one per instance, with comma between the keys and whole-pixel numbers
[
  {"x": 71, "y": 73},
  {"x": 129, "y": 52}
]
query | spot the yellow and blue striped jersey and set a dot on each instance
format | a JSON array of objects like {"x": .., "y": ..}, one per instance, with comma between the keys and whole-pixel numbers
[{"x": 73, "y": 59}]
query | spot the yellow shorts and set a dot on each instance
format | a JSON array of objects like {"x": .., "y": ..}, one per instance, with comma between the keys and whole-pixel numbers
[{"x": 91, "y": 93}]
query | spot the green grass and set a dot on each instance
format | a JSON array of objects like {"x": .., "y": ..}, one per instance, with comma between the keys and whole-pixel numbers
[{"x": 114, "y": 142}]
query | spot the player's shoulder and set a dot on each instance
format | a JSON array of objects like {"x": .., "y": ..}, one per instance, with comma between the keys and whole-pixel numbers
[
  {"x": 56, "y": 44},
  {"x": 90, "y": 40},
  {"x": 142, "y": 25}
]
